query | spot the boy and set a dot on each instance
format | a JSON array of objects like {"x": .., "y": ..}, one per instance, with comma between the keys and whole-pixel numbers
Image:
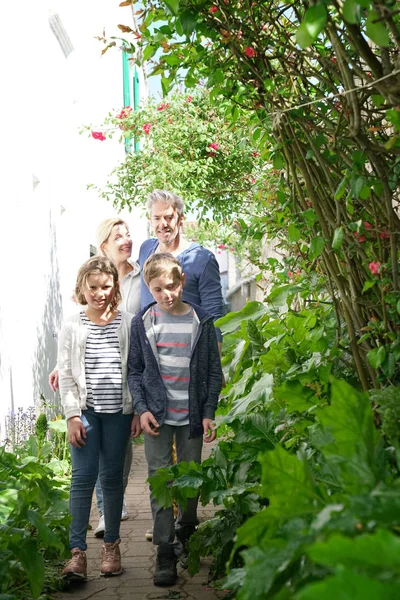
[{"x": 175, "y": 377}]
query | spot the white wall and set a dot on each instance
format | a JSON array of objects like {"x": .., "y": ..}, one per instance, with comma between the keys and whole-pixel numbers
[{"x": 47, "y": 226}]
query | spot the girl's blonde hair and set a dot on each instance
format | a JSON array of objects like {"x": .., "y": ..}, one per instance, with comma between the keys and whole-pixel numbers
[
  {"x": 95, "y": 266},
  {"x": 161, "y": 263},
  {"x": 104, "y": 231}
]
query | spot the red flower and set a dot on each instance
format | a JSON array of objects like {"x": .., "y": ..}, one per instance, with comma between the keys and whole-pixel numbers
[
  {"x": 189, "y": 98},
  {"x": 384, "y": 235},
  {"x": 214, "y": 146},
  {"x": 367, "y": 225},
  {"x": 147, "y": 127},
  {"x": 213, "y": 9},
  {"x": 360, "y": 238},
  {"x": 125, "y": 112},
  {"x": 250, "y": 52},
  {"x": 222, "y": 247},
  {"x": 290, "y": 274},
  {"x": 374, "y": 267},
  {"x": 98, "y": 135},
  {"x": 161, "y": 107}
]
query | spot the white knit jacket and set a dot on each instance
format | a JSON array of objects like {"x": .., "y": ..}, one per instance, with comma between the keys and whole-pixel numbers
[{"x": 71, "y": 364}]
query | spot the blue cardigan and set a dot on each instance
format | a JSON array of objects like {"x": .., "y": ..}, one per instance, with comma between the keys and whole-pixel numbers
[
  {"x": 203, "y": 281},
  {"x": 144, "y": 378}
]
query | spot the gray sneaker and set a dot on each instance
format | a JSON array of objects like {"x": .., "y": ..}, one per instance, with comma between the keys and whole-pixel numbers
[{"x": 149, "y": 534}]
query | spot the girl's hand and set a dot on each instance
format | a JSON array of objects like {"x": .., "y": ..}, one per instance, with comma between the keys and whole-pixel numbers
[
  {"x": 76, "y": 432},
  {"x": 149, "y": 423},
  {"x": 209, "y": 430},
  {"x": 136, "y": 430}
]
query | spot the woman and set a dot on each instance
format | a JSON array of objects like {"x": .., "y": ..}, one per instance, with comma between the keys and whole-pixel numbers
[{"x": 114, "y": 241}]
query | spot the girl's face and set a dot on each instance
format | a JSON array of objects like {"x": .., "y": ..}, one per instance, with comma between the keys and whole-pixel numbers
[
  {"x": 118, "y": 247},
  {"x": 99, "y": 291}
]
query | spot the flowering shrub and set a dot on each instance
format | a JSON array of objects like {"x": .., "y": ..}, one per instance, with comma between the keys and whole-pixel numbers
[{"x": 186, "y": 144}]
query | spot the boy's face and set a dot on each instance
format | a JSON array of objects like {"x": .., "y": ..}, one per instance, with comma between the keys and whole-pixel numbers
[{"x": 167, "y": 291}]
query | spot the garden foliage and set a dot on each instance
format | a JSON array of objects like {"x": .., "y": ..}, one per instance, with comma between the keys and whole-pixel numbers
[
  {"x": 306, "y": 489},
  {"x": 34, "y": 513}
]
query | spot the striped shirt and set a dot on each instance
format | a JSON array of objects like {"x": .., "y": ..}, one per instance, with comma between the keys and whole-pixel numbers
[
  {"x": 103, "y": 366},
  {"x": 173, "y": 334}
]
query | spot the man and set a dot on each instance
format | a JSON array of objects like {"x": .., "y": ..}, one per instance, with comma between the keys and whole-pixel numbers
[{"x": 203, "y": 281}]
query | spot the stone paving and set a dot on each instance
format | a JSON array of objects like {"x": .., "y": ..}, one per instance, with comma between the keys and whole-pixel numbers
[{"x": 138, "y": 554}]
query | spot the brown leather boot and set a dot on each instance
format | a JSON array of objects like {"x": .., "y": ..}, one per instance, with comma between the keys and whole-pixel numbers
[
  {"x": 110, "y": 559},
  {"x": 76, "y": 567}
]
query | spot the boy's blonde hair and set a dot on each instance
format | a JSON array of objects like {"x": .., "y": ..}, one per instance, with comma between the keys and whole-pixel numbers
[
  {"x": 104, "y": 231},
  {"x": 95, "y": 266},
  {"x": 161, "y": 263}
]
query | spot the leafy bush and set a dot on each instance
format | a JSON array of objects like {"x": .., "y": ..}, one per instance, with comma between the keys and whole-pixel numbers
[{"x": 34, "y": 518}]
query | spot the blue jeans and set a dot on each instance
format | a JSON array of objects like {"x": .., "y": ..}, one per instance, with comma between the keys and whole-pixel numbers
[
  {"x": 127, "y": 470},
  {"x": 107, "y": 436},
  {"x": 158, "y": 450}
]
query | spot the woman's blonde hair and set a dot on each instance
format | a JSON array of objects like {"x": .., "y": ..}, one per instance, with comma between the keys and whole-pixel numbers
[
  {"x": 95, "y": 266},
  {"x": 161, "y": 263},
  {"x": 104, "y": 231}
]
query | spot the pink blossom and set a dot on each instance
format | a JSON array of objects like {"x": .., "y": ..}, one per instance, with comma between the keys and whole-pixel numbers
[
  {"x": 213, "y": 9},
  {"x": 222, "y": 247},
  {"x": 384, "y": 235},
  {"x": 290, "y": 274},
  {"x": 214, "y": 146},
  {"x": 367, "y": 225},
  {"x": 189, "y": 98},
  {"x": 374, "y": 267},
  {"x": 161, "y": 107},
  {"x": 147, "y": 127},
  {"x": 360, "y": 238},
  {"x": 98, "y": 135},
  {"x": 125, "y": 112},
  {"x": 250, "y": 52}
]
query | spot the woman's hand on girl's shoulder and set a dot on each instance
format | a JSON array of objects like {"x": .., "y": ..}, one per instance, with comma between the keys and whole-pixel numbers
[{"x": 76, "y": 432}]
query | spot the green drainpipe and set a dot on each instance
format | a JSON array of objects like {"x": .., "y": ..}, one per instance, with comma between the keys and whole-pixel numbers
[
  {"x": 136, "y": 100},
  {"x": 126, "y": 91}
]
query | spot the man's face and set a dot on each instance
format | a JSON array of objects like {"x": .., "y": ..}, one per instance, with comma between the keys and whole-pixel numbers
[{"x": 166, "y": 222}]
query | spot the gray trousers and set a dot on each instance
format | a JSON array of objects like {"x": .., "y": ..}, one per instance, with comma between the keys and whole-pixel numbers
[{"x": 158, "y": 450}]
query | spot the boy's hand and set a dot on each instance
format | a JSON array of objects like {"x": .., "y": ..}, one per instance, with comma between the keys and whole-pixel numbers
[
  {"x": 76, "y": 432},
  {"x": 209, "y": 430},
  {"x": 136, "y": 430},
  {"x": 148, "y": 423}
]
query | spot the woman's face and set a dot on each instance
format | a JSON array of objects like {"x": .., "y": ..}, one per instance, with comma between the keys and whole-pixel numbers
[{"x": 118, "y": 247}]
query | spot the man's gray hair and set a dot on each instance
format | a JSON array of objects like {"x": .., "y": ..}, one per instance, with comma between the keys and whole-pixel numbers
[{"x": 168, "y": 198}]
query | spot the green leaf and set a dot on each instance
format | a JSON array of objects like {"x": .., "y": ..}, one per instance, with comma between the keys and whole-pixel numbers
[
  {"x": 295, "y": 396},
  {"x": 368, "y": 285},
  {"x": 312, "y": 25},
  {"x": 338, "y": 238},
  {"x": 357, "y": 184},
  {"x": 378, "y": 100},
  {"x": 149, "y": 51},
  {"x": 173, "y": 6},
  {"x": 278, "y": 161},
  {"x": 233, "y": 320},
  {"x": 33, "y": 564},
  {"x": 288, "y": 483},
  {"x": 380, "y": 550},
  {"x": 316, "y": 247},
  {"x": 259, "y": 393},
  {"x": 188, "y": 21},
  {"x": 393, "y": 116},
  {"x": 351, "y": 11},
  {"x": 355, "y": 445},
  {"x": 376, "y": 31},
  {"x": 293, "y": 233},
  {"x": 349, "y": 585},
  {"x": 376, "y": 356},
  {"x": 398, "y": 307},
  {"x": 341, "y": 190}
]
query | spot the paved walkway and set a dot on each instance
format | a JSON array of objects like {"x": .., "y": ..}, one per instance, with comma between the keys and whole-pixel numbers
[{"x": 138, "y": 554}]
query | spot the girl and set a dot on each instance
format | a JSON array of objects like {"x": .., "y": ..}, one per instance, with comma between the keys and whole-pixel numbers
[{"x": 92, "y": 360}]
